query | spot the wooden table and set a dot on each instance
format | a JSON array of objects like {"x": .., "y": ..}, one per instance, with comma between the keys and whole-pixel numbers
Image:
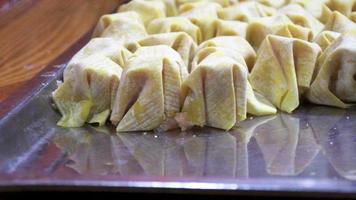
[{"x": 37, "y": 35}]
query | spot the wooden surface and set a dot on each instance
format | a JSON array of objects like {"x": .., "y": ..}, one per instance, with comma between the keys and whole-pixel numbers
[{"x": 37, "y": 34}]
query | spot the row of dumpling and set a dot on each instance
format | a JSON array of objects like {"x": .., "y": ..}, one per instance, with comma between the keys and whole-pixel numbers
[
  {"x": 253, "y": 20},
  {"x": 155, "y": 88}
]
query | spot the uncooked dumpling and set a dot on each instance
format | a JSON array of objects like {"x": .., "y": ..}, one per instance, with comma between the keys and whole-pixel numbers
[
  {"x": 236, "y": 43},
  {"x": 284, "y": 70},
  {"x": 229, "y": 28},
  {"x": 149, "y": 91},
  {"x": 206, "y": 103},
  {"x": 147, "y": 10},
  {"x": 223, "y": 3},
  {"x": 107, "y": 47},
  {"x": 86, "y": 94},
  {"x": 175, "y": 24},
  {"x": 335, "y": 84},
  {"x": 281, "y": 25},
  {"x": 325, "y": 38},
  {"x": 301, "y": 17},
  {"x": 180, "y": 42},
  {"x": 125, "y": 27},
  {"x": 339, "y": 23},
  {"x": 246, "y": 11},
  {"x": 202, "y": 14}
]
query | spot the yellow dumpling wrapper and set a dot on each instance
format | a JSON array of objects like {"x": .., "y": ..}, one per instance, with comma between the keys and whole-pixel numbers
[
  {"x": 223, "y": 3},
  {"x": 345, "y": 7},
  {"x": 313, "y": 7},
  {"x": 235, "y": 43},
  {"x": 202, "y": 14},
  {"x": 246, "y": 11},
  {"x": 107, "y": 47},
  {"x": 229, "y": 28},
  {"x": 171, "y": 7},
  {"x": 335, "y": 84},
  {"x": 339, "y": 23},
  {"x": 274, "y": 3},
  {"x": 258, "y": 29},
  {"x": 325, "y": 38},
  {"x": 86, "y": 94},
  {"x": 180, "y": 42},
  {"x": 147, "y": 10},
  {"x": 256, "y": 104},
  {"x": 298, "y": 15},
  {"x": 149, "y": 90},
  {"x": 283, "y": 70},
  {"x": 206, "y": 103},
  {"x": 125, "y": 27},
  {"x": 175, "y": 24}
]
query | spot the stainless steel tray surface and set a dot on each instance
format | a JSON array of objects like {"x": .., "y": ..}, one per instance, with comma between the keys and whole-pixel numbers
[{"x": 312, "y": 151}]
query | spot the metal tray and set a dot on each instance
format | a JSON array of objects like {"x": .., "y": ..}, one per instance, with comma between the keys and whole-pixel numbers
[{"x": 311, "y": 152}]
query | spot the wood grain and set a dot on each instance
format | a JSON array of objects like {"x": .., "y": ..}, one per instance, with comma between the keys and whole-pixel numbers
[{"x": 34, "y": 33}]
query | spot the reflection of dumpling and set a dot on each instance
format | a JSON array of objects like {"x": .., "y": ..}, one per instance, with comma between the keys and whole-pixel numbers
[
  {"x": 235, "y": 43},
  {"x": 334, "y": 83},
  {"x": 147, "y": 10},
  {"x": 126, "y": 27},
  {"x": 181, "y": 42},
  {"x": 107, "y": 47},
  {"x": 259, "y": 28},
  {"x": 339, "y": 23},
  {"x": 202, "y": 14},
  {"x": 246, "y": 11},
  {"x": 175, "y": 24},
  {"x": 301, "y": 17},
  {"x": 150, "y": 89},
  {"x": 229, "y": 28},
  {"x": 284, "y": 70},
  {"x": 325, "y": 38},
  {"x": 86, "y": 94},
  {"x": 206, "y": 103}
]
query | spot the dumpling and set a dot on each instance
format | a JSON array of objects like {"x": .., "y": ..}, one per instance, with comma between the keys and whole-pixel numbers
[
  {"x": 274, "y": 3},
  {"x": 147, "y": 10},
  {"x": 107, "y": 47},
  {"x": 335, "y": 84},
  {"x": 301, "y": 17},
  {"x": 325, "y": 38},
  {"x": 313, "y": 7},
  {"x": 175, "y": 24},
  {"x": 125, "y": 27},
  {"x": 149, "y": 91},
  {"x": 256, "y": 104},
  {"x": 171, "y": 7},
  {"x": 236, "y": 43},
  {"x": 339, "y": 23},
  {"x": 180, "y": 42},
  {"x": 229, "y": 28},
  {"x": 205, "y": 102},
  {"x": 86, "y": 94},
  {"x": 223, "y": 3},
  {"x": 259, "y": 28},
  {"x": 246, "y": 11},
  {"x": 284, "y": 70},
  {"x": 202, "y": 14},
  {"x": 342, "y": 6}
]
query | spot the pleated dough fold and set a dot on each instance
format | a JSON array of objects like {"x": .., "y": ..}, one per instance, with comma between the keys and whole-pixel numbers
[
  {"x": 246, "y": 11},
  {"x": 325, "y": 38},
  {"x": 175, "y": 24},
  {"x": 149, "y": 91},
  {"x": 335, "y": 84},
  {"x": 123, "y": 26},
  {"x": 107, "y": 47},
  {"x": 339, "y": 23},
  {"x": 281, "y": 25},
  {"x": 180, "y": 42},
  {"x": 86, "y": 94},
  {"x": 283, "y": 70}
]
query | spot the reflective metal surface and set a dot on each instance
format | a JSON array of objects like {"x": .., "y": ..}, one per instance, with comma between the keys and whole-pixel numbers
[{"x": 311, "y": 151}]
